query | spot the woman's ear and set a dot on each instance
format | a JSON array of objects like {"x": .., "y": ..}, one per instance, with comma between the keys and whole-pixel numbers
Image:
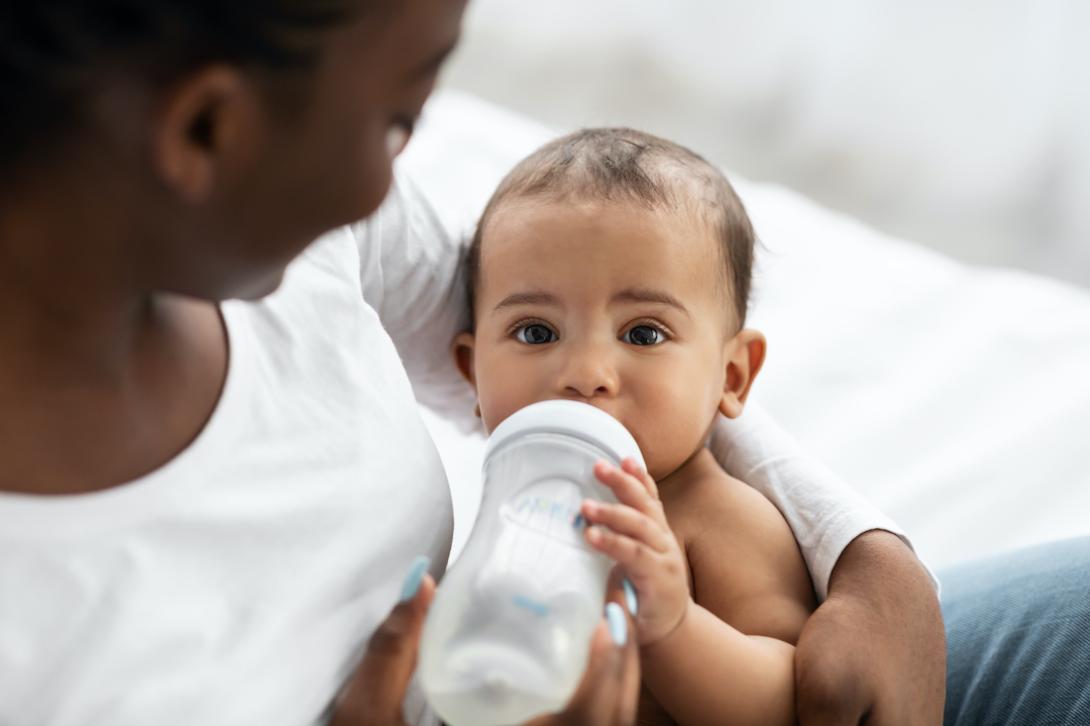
[
  {"x": 745, "y": 356},
  {"x": 462, "y": 349},
  {"x": 206, "y": 131}
]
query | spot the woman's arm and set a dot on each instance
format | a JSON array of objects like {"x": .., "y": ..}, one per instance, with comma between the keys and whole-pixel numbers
[
  {"x": 882, "y": 596},
  {"x": 412, "y": 273},
  {"x": 825, "y": 514},
  {"x": 873, "y": 587}
]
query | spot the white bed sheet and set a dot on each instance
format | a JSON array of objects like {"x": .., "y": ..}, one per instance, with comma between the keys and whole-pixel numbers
[{"x": 956, "y": 398}]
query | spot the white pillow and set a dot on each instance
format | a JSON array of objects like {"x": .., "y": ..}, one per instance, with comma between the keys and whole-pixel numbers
[{"x": 956, "y": 398}]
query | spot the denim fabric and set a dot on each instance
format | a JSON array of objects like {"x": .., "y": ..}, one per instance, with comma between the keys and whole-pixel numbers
[{"x": 1018, "y": 638}]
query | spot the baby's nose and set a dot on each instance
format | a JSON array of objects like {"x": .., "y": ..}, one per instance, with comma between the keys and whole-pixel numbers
[{"x": 588, "y": 375}]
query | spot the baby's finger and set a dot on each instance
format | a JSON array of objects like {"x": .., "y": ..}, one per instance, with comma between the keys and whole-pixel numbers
[
  {"x": 628, "y": 490},
  {"x": 633, "y": 556},
  {"x": 625, "y": 520},
  {"x": 631, "y": 466}
]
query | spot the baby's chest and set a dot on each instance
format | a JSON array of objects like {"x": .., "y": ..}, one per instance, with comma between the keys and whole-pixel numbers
[
  {"x": 685, "y": 526},
  {"x": 717, "y": 569}
]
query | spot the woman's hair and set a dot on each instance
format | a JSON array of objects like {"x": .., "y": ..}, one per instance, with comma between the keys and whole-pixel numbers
[{"x": 53, "y": 53}]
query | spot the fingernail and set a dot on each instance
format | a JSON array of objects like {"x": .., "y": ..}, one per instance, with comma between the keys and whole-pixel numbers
[
  {"x": 411, "y": 585},
  {"x": 630, "y": 597},
  {"x": 618, "y": 626}
]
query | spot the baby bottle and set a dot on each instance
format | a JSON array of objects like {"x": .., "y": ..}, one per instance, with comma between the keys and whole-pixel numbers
[{"x": 508, "y": 634}]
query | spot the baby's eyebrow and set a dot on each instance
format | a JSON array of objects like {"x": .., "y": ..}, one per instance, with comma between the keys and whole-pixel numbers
[
  {"x": 647, "y": 295},
  {"x": 527, "y": 298}
]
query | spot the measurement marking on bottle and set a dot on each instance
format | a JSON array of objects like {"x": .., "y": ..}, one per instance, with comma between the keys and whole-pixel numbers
[{"x": 537, "y": 608}]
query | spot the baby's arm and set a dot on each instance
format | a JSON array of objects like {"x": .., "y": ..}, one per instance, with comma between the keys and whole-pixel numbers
[
  {"x": 746, "y": 571},
  {"x": 752, "y": 597}
]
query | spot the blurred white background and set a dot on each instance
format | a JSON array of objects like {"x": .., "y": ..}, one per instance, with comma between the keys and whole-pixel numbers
[{"x": 962, "y": 126}]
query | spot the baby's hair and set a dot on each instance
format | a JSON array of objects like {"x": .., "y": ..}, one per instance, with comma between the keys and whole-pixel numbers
[{"x": 624, "y": 165}]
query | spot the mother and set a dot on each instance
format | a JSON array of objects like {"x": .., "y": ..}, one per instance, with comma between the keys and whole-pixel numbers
[{"x": 210, "y": 494}]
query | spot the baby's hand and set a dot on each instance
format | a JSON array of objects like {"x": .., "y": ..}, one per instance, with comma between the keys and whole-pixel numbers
[{"x": 636, "y": 535}]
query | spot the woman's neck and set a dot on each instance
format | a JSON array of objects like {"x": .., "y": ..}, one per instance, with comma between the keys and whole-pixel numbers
[
  {"x": 66, "y": 296},
  {"x": 100, "y": 382}
]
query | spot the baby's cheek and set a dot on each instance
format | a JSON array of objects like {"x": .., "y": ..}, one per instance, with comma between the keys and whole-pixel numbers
[
  {"x": 667, "y": 442},
  {"x": 494, "y": 409},
  {"x": 504, "y": 394},
  {"x": 674, "y": 422}
]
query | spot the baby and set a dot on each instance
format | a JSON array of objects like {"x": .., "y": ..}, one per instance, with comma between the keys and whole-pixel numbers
[{"x": 613, "y": 268}]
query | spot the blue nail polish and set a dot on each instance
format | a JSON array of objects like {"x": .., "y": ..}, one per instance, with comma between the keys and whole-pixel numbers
[
  {"x": 630, "y": 597},
  {"x": 415, "y": 576},
  {"x": 618, "y": 626}
]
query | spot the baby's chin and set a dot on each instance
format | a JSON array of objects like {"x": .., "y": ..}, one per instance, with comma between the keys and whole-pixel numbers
[
  {"x": 661, "y": 471},
  {"x": 661, "y": 463}
]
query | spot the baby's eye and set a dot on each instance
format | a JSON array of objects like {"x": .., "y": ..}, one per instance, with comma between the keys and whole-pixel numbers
[
  {"x": 643, "y": 335},
  {"x": 535, "y": 334}
]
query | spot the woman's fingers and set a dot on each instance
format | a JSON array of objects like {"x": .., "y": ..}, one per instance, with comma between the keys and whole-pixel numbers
[
  {"x": 373, "y": 695},
  {"x": 608, "y": 693},
  {"x": 629, "y": 522},
  {"x": 627, "y": 699}
]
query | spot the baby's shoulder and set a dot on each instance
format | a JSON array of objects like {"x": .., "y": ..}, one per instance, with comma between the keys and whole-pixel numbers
[
  {"x": 744, "y": 561},
  {"x": 712, "y": 500}
]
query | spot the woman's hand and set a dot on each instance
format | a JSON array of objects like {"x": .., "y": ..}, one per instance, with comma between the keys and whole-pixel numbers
[
  {"x": 610, "y": 688},
  {"x": 635, "y": 534},
  {"x": 607, "y": 696},
  {"x": 373, "y": 696},
  {"x": 875, "y": 650}
]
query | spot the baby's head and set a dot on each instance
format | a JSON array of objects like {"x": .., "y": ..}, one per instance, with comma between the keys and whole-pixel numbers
[{"x": 613, "y": 267}]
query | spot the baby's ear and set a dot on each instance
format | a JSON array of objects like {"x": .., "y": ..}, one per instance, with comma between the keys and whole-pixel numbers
[
  {"x": 745, "y": 356},
  {"x": 462, "y": 350}
]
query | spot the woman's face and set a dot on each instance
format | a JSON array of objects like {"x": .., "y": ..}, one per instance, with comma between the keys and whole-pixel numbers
[{"x": 324, "y": 160}]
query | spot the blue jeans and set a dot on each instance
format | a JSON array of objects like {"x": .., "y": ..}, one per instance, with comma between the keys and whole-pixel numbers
[{"x": 1018, "y": 638}]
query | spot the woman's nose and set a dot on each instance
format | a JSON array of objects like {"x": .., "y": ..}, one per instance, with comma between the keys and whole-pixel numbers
[{"x": 588, "y": 373}]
